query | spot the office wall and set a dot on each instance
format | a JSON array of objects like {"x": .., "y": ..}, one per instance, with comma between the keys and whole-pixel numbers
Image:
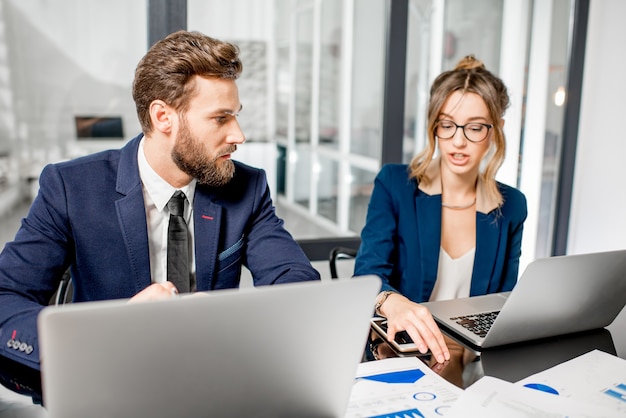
[
  {"x": 77, "y": 57},
  {"x": 40, "y": 35},
  {"x": 68, "y": 58},
  {"x": 598, "y": 218}
]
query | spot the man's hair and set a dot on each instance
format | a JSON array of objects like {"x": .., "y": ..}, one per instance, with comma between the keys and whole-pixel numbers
[
  {"x": 469, "y": 75},
  {"x": 164, "y": 73}
]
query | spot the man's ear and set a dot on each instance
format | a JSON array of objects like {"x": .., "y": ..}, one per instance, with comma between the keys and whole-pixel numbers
[
  {"x": 161, "y": 115},
  {"x": 502, "y": 123}
]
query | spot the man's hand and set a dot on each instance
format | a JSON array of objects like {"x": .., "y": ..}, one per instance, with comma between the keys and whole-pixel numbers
[{"x": 156, "y": 291}]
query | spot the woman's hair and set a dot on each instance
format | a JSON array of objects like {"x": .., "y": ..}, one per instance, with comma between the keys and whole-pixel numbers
[
  {"x": 469, "y": 76},
  {"x": 164, "y": 73}
]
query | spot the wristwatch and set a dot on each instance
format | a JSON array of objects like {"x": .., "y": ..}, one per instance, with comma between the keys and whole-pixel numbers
[{"x": 380, "y": 299}]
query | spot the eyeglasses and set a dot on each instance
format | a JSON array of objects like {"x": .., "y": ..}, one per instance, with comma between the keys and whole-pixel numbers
[{"x": 474, "y": 132}]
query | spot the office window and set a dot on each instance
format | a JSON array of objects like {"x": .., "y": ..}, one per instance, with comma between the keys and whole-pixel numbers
[
  {"x": 329, "y": 81},
  {"x": 513, "y": 39},
  {"x": 548, "y": 136},
  {"x": 325, "y": 71},
  {"x": 439, "y": 35},
  {"x": 64, "y": 59},
  {"x": 312, "y": 90}
]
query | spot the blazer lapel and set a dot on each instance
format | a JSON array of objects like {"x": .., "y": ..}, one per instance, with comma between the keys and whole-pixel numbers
[
  {"x": 487, "y": 231},
  {"x": 207, "y": 220},
  {"x": 132, "y": 217},
  {"x": 487, "y": 243},
  {"x": 131, "y": 214},
  {"x": 428, "y": 211}
]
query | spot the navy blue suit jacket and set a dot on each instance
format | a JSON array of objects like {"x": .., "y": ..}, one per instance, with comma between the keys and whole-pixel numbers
[
  {"x": 402, "y": 238},
  {"x": 90, "y": 215}
]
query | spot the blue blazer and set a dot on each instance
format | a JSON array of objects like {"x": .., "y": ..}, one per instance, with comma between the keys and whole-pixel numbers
[
  {"x": 402, "y": 237},
  {"x": 90, "y": 215}
]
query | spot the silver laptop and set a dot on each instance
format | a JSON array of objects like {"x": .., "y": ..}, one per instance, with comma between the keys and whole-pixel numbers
[
  {"x": 554, "y": 296},
  {"x": 276, "y": 351}
]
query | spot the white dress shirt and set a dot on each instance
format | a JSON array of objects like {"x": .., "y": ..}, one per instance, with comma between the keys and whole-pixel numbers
[{"x": 156, "y": 193}]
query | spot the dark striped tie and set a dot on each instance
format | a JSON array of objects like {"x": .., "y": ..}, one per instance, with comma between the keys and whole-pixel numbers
[{"x": 178, "y": 244}]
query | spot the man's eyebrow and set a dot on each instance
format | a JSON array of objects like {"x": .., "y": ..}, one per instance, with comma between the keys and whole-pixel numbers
[{"x": 229, "y": 111}]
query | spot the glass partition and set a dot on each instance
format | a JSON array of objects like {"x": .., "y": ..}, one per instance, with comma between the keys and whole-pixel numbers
[
  {"x": 62, "y": 61},
  {"x": 312, "y": 90},
  {"x": 329, "y": 81},
  {"x": 556, "y": 70},
  {"x": 526, "y": 44}
]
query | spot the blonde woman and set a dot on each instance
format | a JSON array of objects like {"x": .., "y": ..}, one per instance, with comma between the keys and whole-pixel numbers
[{"x": 443, "y": 227}]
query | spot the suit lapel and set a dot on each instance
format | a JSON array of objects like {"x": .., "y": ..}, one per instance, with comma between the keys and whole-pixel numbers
[
  {"x": 131, "y": 213},
  {"x": 132, "y": 217},
  {"x": 487, "y": 242},
  {"x": 428, "y": 211},
  {"x": 487, "y": 232},
  {"x": 207, "y": 220}
]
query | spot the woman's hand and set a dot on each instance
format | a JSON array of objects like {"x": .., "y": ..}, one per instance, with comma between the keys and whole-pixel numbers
[
  {"x": 405, "y": 315},
  {"x": 452, "y": 370}
]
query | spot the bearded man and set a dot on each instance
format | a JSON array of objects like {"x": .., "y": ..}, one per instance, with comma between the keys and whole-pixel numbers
[{"x": 106, "y": 216}]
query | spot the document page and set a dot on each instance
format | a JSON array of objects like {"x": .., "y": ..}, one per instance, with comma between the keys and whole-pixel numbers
[
  {"x": 491, "y": 397},
  {"x": 402, "y": 387},
  {"x": 596, "y": 377},
  {"x": 592, "y": 385}
]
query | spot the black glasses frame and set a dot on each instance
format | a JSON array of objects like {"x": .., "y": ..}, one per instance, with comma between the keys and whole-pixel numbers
[{"x": 487, "y": 125}]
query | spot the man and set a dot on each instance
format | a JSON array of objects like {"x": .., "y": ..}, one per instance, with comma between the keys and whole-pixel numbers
[{"x": 106, "y": 216}]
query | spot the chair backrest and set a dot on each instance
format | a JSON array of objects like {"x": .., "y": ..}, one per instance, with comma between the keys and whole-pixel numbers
[
  {"x": 341, "y": 253},
  {"x": 65, "y": 291}
]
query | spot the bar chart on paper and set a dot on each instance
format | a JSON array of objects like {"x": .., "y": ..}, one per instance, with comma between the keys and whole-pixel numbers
[
  {"x": 618, "y": 392},
  {"x": 410, "y": 413},
  {"x": 400, "y": 388}
]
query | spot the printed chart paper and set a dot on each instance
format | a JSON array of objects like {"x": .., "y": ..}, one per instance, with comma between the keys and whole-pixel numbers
[
  {"x": 402, "y": 387},
  {"x": 595, "y": 377}
]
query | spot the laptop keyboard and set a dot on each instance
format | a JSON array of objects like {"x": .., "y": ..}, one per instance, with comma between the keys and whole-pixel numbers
[{"x": 479, "y": 324}]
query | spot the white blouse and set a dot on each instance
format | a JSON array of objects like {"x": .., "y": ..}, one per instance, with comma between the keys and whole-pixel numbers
[{"x": 454, "y": 276}]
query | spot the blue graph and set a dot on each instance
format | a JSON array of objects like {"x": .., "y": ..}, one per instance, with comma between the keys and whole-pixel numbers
[
  {"x": 424, "y": 396},
  {"x": 404, "y": 376},
  {"x": 409, "y": 413},
  {"x": 618, "y": 392},
  {"x": 541, "y": 387}
]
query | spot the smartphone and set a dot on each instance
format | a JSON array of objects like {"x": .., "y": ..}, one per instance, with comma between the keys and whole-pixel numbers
[{"x": 402, "y": 342}]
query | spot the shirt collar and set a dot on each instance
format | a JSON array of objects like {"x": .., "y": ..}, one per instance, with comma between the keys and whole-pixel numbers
[
  {"x": 484, "y": 204},
  {"x": 160, "y": 191}
]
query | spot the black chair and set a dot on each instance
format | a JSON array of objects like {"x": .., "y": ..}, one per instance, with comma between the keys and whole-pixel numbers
[
  {"x": 65, "y": 291},
  {"x": 339, "y": 253}
]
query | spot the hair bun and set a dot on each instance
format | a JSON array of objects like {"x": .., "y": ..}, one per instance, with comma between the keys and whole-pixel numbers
[{"x": 469, "y": 62}]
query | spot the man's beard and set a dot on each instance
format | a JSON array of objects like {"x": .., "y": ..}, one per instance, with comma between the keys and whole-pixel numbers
[{"x": 192, "y": 158}]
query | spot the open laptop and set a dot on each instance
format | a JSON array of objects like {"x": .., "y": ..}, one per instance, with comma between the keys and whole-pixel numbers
[
  {"x": 276, "y": 351},
  {"x": 554, "y": 296}
]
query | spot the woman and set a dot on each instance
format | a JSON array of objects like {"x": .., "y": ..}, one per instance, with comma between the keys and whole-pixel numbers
[{"x": 443, "y": 227}]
